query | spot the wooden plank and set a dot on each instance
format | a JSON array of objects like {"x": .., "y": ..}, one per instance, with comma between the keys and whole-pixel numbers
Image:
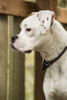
[
  {"x": 16, "y": 71},
  {"x": 3, "y": 57},
  {"x": 17, "y": 7},
  {"x": 39, "y": 74},
  {"x": 47, "y": 5},
  {"x": 43, "y": 4},
  {"x": 62, "y": 15},
  {"x": 53, "y": 6}
]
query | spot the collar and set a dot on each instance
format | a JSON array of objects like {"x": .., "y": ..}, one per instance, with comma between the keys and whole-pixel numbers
[{"x": 47, "y": 64}]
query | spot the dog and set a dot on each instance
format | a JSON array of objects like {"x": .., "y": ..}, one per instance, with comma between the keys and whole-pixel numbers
[{"x": 43, "y": 33}]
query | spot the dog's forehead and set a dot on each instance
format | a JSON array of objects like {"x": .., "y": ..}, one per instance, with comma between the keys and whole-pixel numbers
[
  {"x": 30, "y": 20},
  {"x": 37, "y": 17}
]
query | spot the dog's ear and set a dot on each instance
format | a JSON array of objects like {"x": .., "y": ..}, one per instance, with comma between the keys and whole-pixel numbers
[{"x": 46, "y": 18}]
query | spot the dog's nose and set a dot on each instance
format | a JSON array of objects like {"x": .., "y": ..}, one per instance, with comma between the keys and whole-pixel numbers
[{"x": 13, "y": 38}]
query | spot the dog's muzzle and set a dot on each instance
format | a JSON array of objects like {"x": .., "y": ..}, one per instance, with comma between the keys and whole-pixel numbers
[{"x": 13, "y": 39}]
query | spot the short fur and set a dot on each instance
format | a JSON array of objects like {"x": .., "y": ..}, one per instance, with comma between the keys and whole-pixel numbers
[{"x": 49, "y": 39}]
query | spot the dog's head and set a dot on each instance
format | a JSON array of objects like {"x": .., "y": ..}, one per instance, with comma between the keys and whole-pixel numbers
[{"x": 33, "y": 31}]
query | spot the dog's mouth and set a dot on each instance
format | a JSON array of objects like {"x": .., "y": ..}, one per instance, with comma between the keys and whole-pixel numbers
[
  {"x": 12, "y": 46},
  {"x": 28, "y": 51}
]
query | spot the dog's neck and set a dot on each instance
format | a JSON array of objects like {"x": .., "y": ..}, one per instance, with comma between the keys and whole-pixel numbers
[{"x": 55, "y": 42}]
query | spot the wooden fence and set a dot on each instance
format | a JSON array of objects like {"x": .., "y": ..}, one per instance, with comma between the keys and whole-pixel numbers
[
  {"x": 12, "y": 64},
  {"x": 11, "y": 67}
]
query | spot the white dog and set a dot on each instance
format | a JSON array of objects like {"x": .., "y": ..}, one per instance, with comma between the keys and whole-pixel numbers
[{"x": 41, "y": 32}]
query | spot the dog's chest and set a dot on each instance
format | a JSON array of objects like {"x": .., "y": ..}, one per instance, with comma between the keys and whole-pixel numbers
[{"x": 55, "y": 83}]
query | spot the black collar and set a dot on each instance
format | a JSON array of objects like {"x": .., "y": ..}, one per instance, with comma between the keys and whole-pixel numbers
[{"x": 47, "y": 64}]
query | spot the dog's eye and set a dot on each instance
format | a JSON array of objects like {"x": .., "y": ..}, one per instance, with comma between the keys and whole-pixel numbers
[{"x": 28, "y": 29}]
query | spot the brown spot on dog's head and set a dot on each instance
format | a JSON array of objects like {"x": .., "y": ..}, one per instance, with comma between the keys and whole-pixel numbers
[
  {"x": 25, "y": 25},
  {"x": 42, "y": 21},
  {"x": 47, "y": 18},
  {"x": 44, "y": 27},
  {"x": 38, "y": 15}
]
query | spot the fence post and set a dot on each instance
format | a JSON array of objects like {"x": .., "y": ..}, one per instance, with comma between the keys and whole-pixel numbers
[
  {"x": 39, "y": 74},
  {"x": 16, "y": 65},
  {"x": 3, "y": 57}
]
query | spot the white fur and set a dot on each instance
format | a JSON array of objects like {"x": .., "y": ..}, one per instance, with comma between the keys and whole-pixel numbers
[{"x": 49, "y": 44}]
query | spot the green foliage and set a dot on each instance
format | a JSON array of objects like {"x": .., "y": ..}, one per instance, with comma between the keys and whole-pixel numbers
[{"x": 62, "y": 3}]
